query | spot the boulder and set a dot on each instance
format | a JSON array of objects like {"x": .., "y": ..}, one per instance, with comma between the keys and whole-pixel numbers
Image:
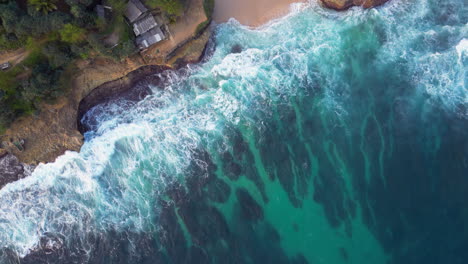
[{"x": 11, "y": 169}]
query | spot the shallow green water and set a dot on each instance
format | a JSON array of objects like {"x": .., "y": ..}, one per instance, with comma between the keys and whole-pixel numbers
[{"x": 329, "y": 138}]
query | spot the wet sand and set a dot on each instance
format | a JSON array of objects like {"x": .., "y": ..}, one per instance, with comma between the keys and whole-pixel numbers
[{"x": 252, "y": 12}]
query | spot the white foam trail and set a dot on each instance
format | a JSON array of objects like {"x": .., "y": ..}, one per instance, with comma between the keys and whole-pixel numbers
[{"x": 134, "y": 154}]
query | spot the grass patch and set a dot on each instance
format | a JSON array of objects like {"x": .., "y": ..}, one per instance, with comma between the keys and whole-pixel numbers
[{"x": 171, "y": 7}]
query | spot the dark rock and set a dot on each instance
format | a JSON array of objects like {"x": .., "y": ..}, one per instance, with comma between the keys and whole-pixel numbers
[
  {"x": 345, "y": 4},
  {"x": 237, "y": 48},
  {"x": 230, "y": 167},
  {"x": 218, "y": 191},
  {"x": 11, "y": 169},
  {"x": 250, "y": 209},
  {"x": 121, "y": 88}
]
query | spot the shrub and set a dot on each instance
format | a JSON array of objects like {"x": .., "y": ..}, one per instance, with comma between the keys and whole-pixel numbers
[
  {"x": 9, "y": 41},
  {"x": 171, "y": 7},
  {"x": 7, "y": 83},
  {"x": 44, "y": 6},
  {"x": 72, "y": 34},
  {"x": 78, "y": 11},
  {"x": 42, "y": 85},
  {"x": 34, "y": 58},
  {"x": 9, "y": 16},
  {"x": 124, "y": 49},
  {"x": 57, "y": 54}
]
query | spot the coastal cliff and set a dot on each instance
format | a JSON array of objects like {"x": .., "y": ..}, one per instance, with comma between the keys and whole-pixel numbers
[
  {"x": 345, "y": 4},
  {"x": 47, "y": 134}
]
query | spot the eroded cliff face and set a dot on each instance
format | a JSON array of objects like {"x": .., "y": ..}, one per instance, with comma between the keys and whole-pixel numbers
[
  {"x": 47, "y": 134},
  {"x": 345, "y": 4}
]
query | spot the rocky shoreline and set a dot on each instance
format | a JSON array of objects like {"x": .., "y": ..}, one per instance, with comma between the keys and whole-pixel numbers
[
  {"x": 114, "y": 89},
  {"x": 49, "y": 133},
  {"x": 11, "y": 169},
  {"x": 341, "y": 5},
  {"x": 42, "y": 137}
]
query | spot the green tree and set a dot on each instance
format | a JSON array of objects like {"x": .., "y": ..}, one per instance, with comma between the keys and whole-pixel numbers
[
  {"x": 42, "y": 85},
  {"x": 44, "y": 6},
  {"x": 123, "y": 50},
  {"x": 72, "y": 34},
  {"x": 9, "y": 14},
  {"x": 58, "y": 55},
  {"x": 78, "y": 11}
]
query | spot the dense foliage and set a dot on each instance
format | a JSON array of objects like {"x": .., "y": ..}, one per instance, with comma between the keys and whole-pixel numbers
[
  {"x": 55, "y": 33},
  {"x": 44, "y": 6}
]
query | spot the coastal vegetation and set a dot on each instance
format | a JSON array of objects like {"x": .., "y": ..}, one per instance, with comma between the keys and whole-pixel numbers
[
  {"x": 173, "y": 8},
  {"x": 54, "y": 35}
]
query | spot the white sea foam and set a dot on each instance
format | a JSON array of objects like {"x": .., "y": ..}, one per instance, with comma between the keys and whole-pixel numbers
[
  {"x": 133, "y": 154},
  {"x": 462, "y": 48}
]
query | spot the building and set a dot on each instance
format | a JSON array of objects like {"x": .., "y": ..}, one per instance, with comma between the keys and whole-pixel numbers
[
  {"x": 5, "y": 66},
  {"x": 144, "y": 25},
  {"x": 135, "y": 9},
  {"x": 103, "y": 11},
  {"x": 149, "y": 38}
]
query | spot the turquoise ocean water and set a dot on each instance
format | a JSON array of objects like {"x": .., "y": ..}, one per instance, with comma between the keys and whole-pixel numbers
[{"x": 322, "y": 137}]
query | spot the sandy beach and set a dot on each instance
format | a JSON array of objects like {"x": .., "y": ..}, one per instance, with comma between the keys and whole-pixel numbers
[{"x": 252, "y": 12}]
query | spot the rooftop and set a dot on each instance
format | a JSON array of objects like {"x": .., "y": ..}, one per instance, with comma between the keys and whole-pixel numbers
[
  {"x": 134, "y": 10},
  {"x": 144, "y": 24},
  {"x": 149, "y": 38}
]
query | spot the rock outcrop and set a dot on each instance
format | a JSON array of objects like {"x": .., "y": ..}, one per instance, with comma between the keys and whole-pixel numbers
[
  {"x": 11, "y": 169},
  {"x": 345, "y": 4},
  {"x": 116, "y": 89},
  {"x": 47, "y": 134}
]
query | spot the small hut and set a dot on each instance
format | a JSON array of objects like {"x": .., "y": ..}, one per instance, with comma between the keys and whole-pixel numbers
[{"x": 134, "y": 10}]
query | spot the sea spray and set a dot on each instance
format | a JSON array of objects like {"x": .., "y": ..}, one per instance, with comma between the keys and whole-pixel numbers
[{"x": 329, "y": 138}]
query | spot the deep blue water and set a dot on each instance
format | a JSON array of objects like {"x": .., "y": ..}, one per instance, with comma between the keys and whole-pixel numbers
[{"x": 329, "y": 138}]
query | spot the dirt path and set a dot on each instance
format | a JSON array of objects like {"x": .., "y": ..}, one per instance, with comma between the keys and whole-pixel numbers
[{"x": 14, "y": 57}]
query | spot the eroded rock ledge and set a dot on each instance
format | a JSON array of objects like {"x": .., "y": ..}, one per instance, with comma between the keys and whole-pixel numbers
[
  {"x": 345, "y": 4},
  {"x": 11, "y": 169},
  {"x": 115, "y": 89}
]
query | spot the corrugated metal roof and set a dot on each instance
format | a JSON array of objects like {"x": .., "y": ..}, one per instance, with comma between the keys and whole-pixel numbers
[
  {"x": 145, "y": 24},
  {"x": 134, "y": 10},
  {"x": 149, "y": 38}
]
